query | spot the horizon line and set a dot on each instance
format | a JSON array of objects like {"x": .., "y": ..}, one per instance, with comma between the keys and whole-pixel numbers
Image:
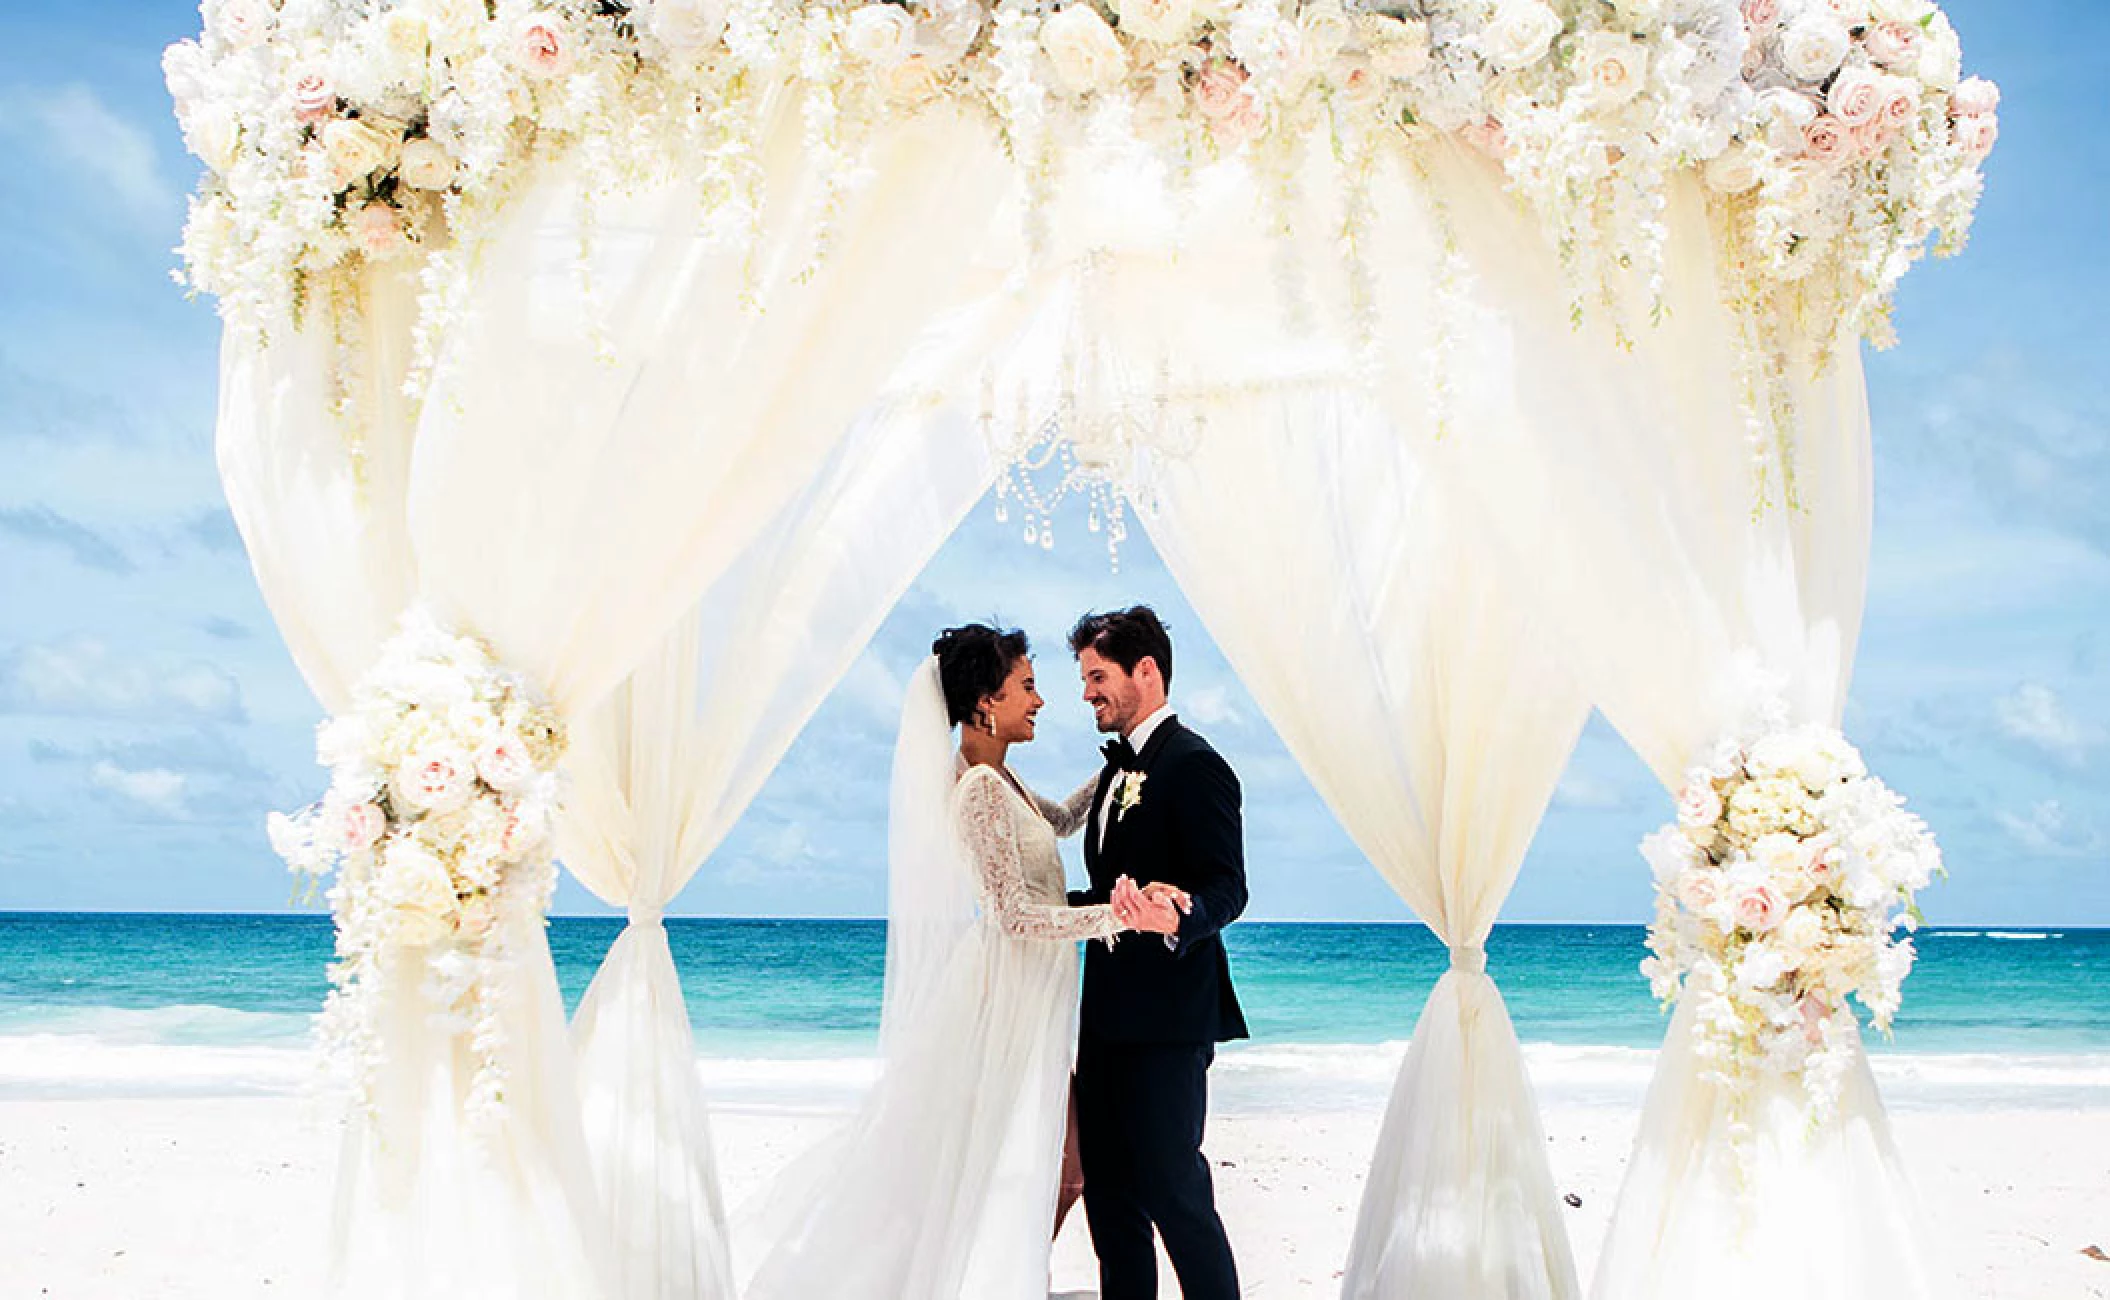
[{"x": 319, "y": 914}]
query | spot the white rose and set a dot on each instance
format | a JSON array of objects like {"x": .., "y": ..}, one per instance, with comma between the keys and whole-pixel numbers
[
  {"x": 1323, "y": 31},
  {"x": 358, "y": 826},
  {"x": 1669, "y": 854},
  {"x": 1787, "y": 114},
  {"x": 945, "y": 33},
  {"x": 686, "y": 27},
  {"x": 1519, "y": 33},
  {"x": 413, "y": 878},
  {"x": 211, "y": 130},
  {"x": 241, "y": 23},
  {"x": 426, "y": 165},
  {"x": 880, "y": 34},
  {"x": 1977, "y": 95},
  {"x": 1850, "y": 13},
  {"x": 1614, "y": 66},
  {"x": 1732, "y": 171},
  {"x": 354, "y": 149},
  {"x": 1399, "y": 47},
  {"x": 1813, "y": 47},
  {"x": 1084, "y": 51},
  {"x": 1801, "y": 936},
  {"x": 1164, "y": 21}
]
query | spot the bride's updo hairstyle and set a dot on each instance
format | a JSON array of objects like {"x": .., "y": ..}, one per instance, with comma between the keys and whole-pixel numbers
[{"x": 973, "y": 661}]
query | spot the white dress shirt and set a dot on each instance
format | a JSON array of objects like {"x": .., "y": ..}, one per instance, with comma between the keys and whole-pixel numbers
[{"x": 1136, "y": 740}]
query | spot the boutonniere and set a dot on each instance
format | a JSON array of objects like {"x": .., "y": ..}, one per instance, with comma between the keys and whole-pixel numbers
[{"x": 1128, "y": 792}]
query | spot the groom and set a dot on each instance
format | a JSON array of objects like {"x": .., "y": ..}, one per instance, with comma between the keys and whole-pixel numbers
[{"x": 1156, "y": 1004}]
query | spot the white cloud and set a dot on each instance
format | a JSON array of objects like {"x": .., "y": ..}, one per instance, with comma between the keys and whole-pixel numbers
[
  {"x": 80, "y": 678},
  {"x": 2048, "y": 829},
  {"x": 155, "y": 789},
  {"x": 77, "y": 130},
  {"x": 2034, "y": 715},
  {"x": 1209, "y": 706},
  {"x": 1584, "y": 790}
]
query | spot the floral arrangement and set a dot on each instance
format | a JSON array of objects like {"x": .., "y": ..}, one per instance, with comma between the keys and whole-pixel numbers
[
  {"x": 1837, "y": 135},
  {"x": 1780, "y": 892},
  {"x": 442, "y": 798}
]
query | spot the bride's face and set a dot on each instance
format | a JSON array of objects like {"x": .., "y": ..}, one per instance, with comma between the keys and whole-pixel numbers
[{"x": 1014, "y": 706}]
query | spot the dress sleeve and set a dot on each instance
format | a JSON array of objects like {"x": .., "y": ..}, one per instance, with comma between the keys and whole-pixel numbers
[
  {"x": 1069, "y": 816},
  {"x": 991, "y": 837}
]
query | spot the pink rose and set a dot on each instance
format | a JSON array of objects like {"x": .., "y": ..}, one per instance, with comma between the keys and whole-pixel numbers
[
  {"x": 1975, "y": 134},
  {"x": 542, "y": 45},
  {"x": 378, "y": 229},
  {"x": 1699, "y": 807},
  {"x": 435, "y": 780},
  {"x": 314, "y": 98},
  {"x": 360, "y": 826},
  {"x": 524, "y": 832},
  {"x": 1873, "y": 137},
  {"x": 503, "y": 763},
  {"x": 1856, "y": 96},
  {"x": 1761, "y": 15},
  {"x": 1219, "y": 89},
  {"x": 1242, "y": 123},
  {"x": 1901, "y": 103},
  {"x": 1759, "y": 908},
  {"x": 1974, "y": 95},
  {"x": 1488, "y": 137},
  {"x": 1892, "y": 44}
]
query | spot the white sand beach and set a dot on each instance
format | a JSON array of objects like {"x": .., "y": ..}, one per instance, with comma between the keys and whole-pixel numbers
[{"x": 181, "y": 1198}]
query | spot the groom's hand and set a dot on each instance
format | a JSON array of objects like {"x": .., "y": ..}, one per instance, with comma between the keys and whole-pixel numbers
[{"x": 1155, "y": 910}]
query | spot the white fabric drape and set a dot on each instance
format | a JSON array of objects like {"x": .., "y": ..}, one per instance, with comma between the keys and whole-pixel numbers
[
  {"x": 1623, "y": 481},
  {"x": 1420, "y": 698},
  {"x": 611, "y": 422},
  {"x": 664, "y": 768}
]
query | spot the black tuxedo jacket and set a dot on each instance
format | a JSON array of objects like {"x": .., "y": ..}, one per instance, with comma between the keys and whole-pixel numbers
[{"x": 1186, "y": 831}]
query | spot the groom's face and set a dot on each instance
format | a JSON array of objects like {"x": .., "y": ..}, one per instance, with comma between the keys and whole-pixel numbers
[{"x": 1113, "y": 692}]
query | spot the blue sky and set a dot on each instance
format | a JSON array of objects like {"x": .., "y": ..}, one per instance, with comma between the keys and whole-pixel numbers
[{"x": 149, "y": 714}]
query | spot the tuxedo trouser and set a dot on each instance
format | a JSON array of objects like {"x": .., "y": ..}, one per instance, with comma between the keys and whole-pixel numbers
[{"x": 1141, "y": 1109}]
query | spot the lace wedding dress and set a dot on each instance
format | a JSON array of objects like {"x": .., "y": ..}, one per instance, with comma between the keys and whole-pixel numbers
[{"x": 944, "y": 1186}]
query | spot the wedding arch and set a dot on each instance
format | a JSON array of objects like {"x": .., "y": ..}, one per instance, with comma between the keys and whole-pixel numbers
[{"x": 1512, "y": 347}]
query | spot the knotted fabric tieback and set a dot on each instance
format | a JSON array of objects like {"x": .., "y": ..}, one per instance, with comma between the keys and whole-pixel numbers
[{"x": 1472, "y": 961}]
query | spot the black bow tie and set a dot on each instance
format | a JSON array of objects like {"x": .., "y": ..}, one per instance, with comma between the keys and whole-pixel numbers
[{"x": 1119, "y": 753}]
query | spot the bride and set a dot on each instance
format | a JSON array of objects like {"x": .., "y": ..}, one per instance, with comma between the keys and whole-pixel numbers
[{"x": 946, "y": 1183}]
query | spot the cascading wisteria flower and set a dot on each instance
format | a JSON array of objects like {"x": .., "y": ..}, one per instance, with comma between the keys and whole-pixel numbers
[
  {"x": 443, "y": 794},
  {"x": 1784, "y": 888}
]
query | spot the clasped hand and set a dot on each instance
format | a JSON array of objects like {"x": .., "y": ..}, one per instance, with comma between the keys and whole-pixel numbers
[{"x": 1154, "y": 908}]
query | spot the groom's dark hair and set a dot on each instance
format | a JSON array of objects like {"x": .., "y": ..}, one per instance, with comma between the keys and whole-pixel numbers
[{"x": 1126, "y": 636}]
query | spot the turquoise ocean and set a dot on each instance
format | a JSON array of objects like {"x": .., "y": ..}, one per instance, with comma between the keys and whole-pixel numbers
[{"x": 786, "y": 1012}]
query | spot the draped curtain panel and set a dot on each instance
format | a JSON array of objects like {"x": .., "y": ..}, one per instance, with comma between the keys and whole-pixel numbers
[
  {"x": 666, "y": 765},
  {"x": 612, "y": 420},
  {"x": 1624, "y": 480},
  {"x": 1423, "y": 701}
]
